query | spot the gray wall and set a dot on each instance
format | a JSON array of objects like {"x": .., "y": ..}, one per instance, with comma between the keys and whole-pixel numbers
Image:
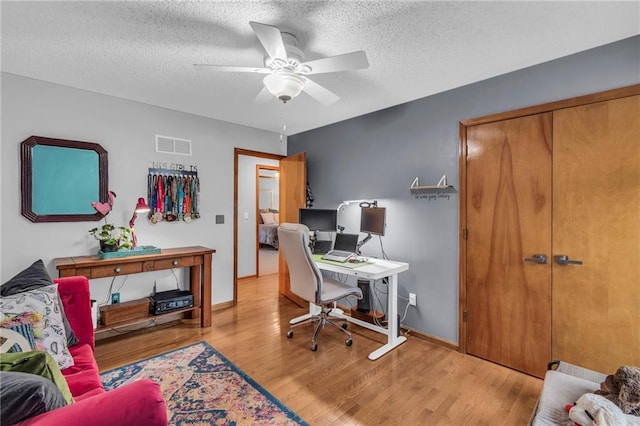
[
  {"x": 378, "y": 155},
  {"x": 127, "y": 131}
]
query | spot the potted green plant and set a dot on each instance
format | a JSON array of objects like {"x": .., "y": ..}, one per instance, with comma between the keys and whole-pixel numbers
[{"x": 112, "y": 238}]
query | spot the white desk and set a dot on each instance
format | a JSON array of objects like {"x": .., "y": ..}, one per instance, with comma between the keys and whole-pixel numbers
[{"x": 374, "y": 270}]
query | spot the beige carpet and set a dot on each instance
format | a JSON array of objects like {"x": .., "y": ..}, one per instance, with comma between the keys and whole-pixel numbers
[{"x": 268, "y": 261}]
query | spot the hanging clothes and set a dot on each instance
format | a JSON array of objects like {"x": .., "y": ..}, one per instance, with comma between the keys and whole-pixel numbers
[
  {"x": 309, "y": 199},
  {"x": 160, "y": 190},
  {"x": 173, "y": 195}
]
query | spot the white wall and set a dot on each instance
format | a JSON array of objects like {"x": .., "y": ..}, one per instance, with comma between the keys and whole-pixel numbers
[
  {"x": 247, "y": 204},
  {"x": 269, "y": 190},
  {"x": 127, "y": 131}
]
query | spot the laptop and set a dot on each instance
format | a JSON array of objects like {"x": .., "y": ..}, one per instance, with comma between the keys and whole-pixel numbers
[{"x": 343, "y": 249}]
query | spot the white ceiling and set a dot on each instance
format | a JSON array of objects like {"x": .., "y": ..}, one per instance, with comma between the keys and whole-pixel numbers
[{"x": 145, "y": 51}]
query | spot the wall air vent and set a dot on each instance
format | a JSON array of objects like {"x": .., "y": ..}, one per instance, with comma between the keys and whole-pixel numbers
[{"x": 171, "y": 145}]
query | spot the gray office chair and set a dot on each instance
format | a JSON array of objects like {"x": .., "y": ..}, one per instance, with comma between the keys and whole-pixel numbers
[{"x": 307, "y": 280}]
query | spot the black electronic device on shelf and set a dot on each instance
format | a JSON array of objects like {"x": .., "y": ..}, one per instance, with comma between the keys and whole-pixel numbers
[{"x": 172, "y": 300}]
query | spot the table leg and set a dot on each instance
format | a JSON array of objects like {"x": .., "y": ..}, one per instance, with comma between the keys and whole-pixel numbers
[
  {"x": 393, "y": 340},
  {"x": 205, "y": 289}
]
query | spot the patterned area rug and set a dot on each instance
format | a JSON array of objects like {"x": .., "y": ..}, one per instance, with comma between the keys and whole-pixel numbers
[{"x": 202, "y": 387}]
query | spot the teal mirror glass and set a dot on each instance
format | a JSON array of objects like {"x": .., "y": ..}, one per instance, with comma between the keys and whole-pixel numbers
[{"x": 61, "y": 178}]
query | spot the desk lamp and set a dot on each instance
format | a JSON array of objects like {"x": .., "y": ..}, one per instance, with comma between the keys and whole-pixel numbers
[
  {"x": 141, "y": 207},
  {"x": 361, "y": 203}
]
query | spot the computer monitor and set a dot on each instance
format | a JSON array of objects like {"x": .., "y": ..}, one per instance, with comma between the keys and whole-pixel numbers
[
  {"x": 325, "y": 220},
  {"x": 372, "y": 220}
]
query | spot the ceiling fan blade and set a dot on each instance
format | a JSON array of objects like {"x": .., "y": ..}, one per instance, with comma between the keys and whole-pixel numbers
[
  {"x": 230, "y": 68},
  {"x": 319, "y": 93},
  {"x": 271, "y": 39},
  {"x": 345, "y": 62}
]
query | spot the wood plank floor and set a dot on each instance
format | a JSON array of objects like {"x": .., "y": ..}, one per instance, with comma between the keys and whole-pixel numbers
[{"x": 419, "y": 383}]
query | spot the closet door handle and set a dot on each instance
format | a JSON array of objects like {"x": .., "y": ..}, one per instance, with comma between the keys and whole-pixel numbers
[
  {"x": 564, "y": 260},
  {"x": 537, "y": 258}
]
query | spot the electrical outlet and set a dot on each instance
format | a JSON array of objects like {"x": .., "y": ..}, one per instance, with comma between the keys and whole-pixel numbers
[
  {"x": 115, "y": 298},
  {"x": 413, "y": 299}
]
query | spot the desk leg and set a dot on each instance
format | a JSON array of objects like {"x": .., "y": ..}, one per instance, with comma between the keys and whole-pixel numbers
[
  {"x": 195, "y": 285},
  {"x": 205, "y": 291},
  {"x": 393, "y": 339},
  {"x": 313, "y": 310}
]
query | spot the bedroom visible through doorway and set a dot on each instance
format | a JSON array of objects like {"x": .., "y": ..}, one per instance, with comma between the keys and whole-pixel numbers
[{"x": 267, "y": 217}]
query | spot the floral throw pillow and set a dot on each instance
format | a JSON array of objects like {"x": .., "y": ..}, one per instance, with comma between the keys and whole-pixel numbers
[
  {"x": 36, "y": 276},
  {"x": 44, "y": 301},
  {"x": 28, "y": 324}
]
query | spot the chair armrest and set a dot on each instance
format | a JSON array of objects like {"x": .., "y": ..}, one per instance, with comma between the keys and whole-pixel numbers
[
  {"x": 134, "y": 404},
  {"x": 76, "y": 301}
]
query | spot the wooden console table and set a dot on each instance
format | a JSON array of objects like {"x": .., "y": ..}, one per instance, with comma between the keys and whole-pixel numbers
[{"x": 197, "y": 259}]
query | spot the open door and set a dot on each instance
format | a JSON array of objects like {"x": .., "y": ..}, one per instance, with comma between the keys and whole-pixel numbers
[{"x": 293, "y": 192}]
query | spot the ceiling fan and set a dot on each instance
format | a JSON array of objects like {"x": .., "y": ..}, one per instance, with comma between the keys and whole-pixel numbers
[{"x": 287, "y": 73}]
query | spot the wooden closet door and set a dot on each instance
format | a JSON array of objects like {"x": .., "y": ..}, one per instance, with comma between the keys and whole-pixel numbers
[
  {"x": 509, "y": 218},
  {"x": 596, "y": 220}
]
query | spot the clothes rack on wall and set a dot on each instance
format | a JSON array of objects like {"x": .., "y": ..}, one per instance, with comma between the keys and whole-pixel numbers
[{"x": 173, "y": 195}]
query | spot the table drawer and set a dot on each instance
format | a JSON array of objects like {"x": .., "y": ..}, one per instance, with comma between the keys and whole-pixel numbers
[
  {"x": 178, "y": 262},
  {"x": 117, "y": 269}
]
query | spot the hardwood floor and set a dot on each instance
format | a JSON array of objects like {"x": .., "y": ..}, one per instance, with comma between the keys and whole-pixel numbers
[{"x": 419, "y": 383}]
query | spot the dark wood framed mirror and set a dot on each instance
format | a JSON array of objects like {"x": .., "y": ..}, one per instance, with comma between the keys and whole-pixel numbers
[{"x": 61, "y": 178}]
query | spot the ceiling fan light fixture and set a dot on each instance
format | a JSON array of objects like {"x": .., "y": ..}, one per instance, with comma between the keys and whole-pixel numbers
[
  {"x": 286, "y": 70},
  {"x": 284, "y": 85}
]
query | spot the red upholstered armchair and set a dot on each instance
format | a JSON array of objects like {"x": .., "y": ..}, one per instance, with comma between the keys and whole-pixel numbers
[{"x": 138, "y": 403}]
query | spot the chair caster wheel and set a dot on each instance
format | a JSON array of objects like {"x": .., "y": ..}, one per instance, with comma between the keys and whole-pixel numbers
[
  {"x": 344, "y": 326},
  {"x": 314, "y": 347},
  {"x": 289, "y": 334},
  {"x": 348, "y": 342}
]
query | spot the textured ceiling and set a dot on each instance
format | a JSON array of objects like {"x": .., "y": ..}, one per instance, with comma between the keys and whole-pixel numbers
[{"x": 145, "y": 51}]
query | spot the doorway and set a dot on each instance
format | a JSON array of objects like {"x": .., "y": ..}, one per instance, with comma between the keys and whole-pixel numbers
[
  {"x": 245, "y": 211},
  {"x": 267, "y": 218},
  {"x": 292, "y": 196}
]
